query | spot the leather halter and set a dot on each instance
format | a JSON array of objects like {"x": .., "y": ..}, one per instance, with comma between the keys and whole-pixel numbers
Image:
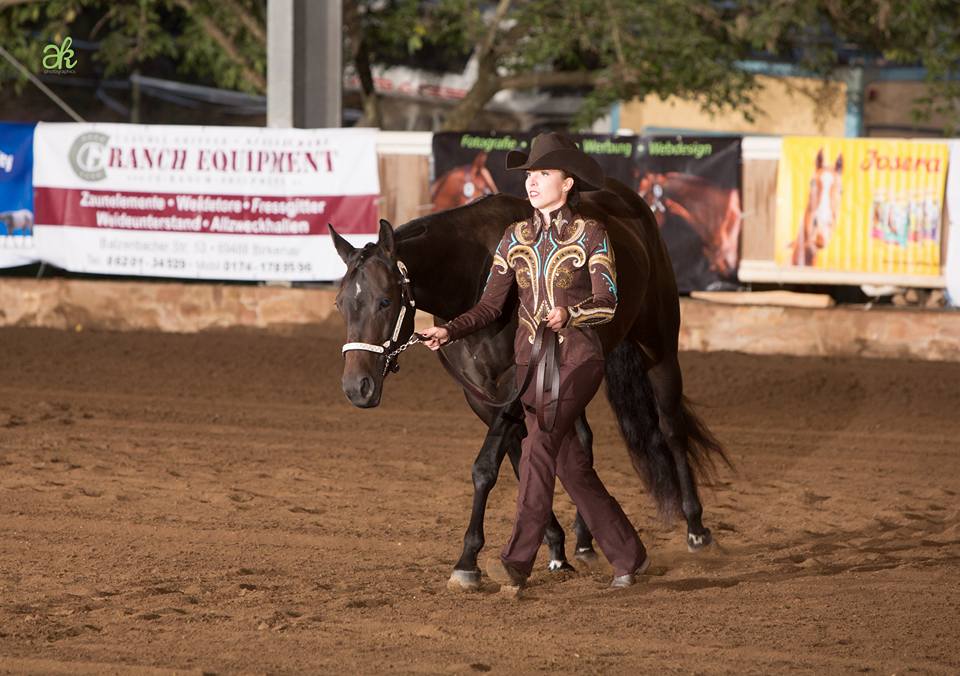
[
  {"x": 543, "y": 363},
  {"x": 391, "y": 346}
]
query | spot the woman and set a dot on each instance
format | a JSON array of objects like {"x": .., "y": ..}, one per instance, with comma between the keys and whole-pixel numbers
[{"x": 564, "y": 267}]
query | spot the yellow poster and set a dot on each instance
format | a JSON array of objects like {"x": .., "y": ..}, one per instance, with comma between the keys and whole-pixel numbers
[{"x": 860, "y": 205}]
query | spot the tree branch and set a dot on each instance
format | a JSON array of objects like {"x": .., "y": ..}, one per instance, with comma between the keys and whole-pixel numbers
[
  {"x": 249, "y": 21},
  {"x": 571, "y": 78},
  {"x": 615, "y": 33},
  {"x": 11, "y": 3},
  {"x": 487, "y": 44},
  {"x": 230, "y": 49},
  {"x": 372, "y": 115}
]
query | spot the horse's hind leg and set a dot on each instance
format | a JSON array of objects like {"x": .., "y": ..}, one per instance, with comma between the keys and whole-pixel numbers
[
  {"x": 503, "y": 434},
  {"x": 584, "y": 552},
  {"x": 667, "y": 383},
  {"x": 554, "y": 537}
]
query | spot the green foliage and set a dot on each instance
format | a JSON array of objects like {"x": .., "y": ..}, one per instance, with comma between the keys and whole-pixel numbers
[
  {"x": 202, "y": 57},
  {"x": 395, "y": 29},
  {"x": 623, "y": 48},
  {"x": 891, "y": 32},
  {"x": 26, "y": 29},
  {"x": 135, "y": 32},
  {"x": 132, "y": 33}
]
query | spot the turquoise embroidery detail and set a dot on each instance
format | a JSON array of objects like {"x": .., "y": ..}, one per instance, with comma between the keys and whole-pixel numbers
[{"x": 613, "y": 287}]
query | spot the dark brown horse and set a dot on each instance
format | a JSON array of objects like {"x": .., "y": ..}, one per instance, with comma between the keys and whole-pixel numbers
[
  {"x": 446, "y": 258},
  {"x": 713, "y": 212},
  {"x": 462, "y": 185}
]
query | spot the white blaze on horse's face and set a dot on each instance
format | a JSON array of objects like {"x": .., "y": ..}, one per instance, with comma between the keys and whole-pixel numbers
[
  {"x": 823, "y": 202},
  {"x": 823, "y": 214},
  {"x": 825, "y": 199}
]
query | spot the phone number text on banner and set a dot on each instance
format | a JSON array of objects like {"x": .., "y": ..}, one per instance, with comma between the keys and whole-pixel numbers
[{"x": 202, "y": 202}]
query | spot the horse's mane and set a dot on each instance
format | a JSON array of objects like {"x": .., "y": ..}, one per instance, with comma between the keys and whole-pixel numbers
[
  {"x": 500, "y": 208},
  {"x": 503, "y": 209}
]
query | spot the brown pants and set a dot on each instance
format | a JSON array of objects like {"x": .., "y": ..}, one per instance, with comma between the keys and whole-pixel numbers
[{"x": 560, "y": 454}]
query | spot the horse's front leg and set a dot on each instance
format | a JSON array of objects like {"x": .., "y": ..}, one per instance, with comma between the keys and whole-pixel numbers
[
  {"x": 504, "y": 433},
  {"x": 584, "y": 552}
]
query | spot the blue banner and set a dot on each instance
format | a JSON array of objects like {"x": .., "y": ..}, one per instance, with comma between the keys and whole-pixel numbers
[{"x": 16, "y": 194}]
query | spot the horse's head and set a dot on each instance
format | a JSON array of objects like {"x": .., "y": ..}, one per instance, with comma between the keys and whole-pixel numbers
[
  {"x": 378, "y": 308},
  {"x": 480, "y": 181},
  {"x": 464, "y": 184},
  {"x": 823, "y": 203}
]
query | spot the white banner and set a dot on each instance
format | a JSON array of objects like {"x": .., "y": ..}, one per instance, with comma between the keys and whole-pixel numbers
[
  {"x": 245, "y": 203},
  {"x": 952, "y": 269}
]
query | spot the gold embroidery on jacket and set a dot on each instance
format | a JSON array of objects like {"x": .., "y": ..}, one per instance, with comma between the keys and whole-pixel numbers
[
  {"x": 607, "y": 262},
  {"x": 557, "y": 274},
  {"x": 524, "y": 232},
  {"x": 578, "y": 226},
  {"x": 523, "y": 278},
  {"x": 572, "y": 252},
  {"x": 528, "y": 256},
  {"x": 585, "y": 317},
  {"x": 531, "y": 331}
]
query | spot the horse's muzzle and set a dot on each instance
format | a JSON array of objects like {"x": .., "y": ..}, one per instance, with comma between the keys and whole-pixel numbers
[{"x": 362, "y": 391}]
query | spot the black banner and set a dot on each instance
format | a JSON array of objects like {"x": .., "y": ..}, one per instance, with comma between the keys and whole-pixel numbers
[
  {"x": 692, "y": 183},
  {"x": 469, "y": 165}
]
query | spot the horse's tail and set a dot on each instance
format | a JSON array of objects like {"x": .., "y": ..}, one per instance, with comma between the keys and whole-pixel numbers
[{"x": 632, "y": 398}]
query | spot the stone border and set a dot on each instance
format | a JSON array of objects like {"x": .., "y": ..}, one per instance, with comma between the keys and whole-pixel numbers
[
  {"x": 844, "y": 331},
  {"x": 186, "y": 308}
]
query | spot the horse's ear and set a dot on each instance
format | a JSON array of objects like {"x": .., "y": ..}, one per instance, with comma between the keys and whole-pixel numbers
[
  {"x": 385, "y": 240},
  {"x": 819, "y": 161},
  {"x": 839, "y": 165},
  {"x": 344, "y": 249}
]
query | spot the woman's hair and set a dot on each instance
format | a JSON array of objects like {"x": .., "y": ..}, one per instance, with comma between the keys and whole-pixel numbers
[{"x": 573, "y": 195}]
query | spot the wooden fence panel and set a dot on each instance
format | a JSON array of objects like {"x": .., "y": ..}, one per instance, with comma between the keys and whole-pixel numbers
[{"x": 404, "y": 187}]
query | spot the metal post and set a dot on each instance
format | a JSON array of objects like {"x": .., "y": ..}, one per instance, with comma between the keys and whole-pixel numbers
[
  {"x": 853, "y": 122},
  {"x": 304, "y": 63},
  {"x": 280, "y": 63}
]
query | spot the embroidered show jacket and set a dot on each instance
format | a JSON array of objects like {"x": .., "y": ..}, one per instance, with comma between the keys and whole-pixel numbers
[{"x": 566, "y": 263}]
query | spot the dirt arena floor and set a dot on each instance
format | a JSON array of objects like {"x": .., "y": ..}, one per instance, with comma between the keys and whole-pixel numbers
[{"x": 212, "y": 503}]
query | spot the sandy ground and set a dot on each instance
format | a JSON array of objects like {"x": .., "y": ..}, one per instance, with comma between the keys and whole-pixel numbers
[{"x": 212, "y": 503}]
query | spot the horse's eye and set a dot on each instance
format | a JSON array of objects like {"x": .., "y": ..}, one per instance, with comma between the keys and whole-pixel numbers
[{"x": 385, "y": 302}]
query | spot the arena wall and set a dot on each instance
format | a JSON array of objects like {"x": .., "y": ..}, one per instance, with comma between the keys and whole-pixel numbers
[{"x": 80, "y": 305}]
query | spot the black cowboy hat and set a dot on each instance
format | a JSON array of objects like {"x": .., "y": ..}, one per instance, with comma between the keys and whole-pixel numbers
[{"x": 551, "y": 150}]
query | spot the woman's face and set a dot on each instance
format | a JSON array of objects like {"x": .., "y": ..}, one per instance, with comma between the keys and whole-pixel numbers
[{"x": 547, "y": 187}]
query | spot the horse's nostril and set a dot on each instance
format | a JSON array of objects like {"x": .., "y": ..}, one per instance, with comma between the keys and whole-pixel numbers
[{"x": 366, "y": 387}]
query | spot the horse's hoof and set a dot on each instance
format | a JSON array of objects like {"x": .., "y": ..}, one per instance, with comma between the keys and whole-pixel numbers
[
  {"x": 588, "y": 557},
  {"x": 697, "y": 542},
  {"x": 464, "y": 580},
  {"x": 557, "y": 566}
]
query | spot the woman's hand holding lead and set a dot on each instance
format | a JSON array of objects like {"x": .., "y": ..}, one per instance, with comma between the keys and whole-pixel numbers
[
  {"x": 557, "y": 318},
  {"x": 435, "y": 337}
]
